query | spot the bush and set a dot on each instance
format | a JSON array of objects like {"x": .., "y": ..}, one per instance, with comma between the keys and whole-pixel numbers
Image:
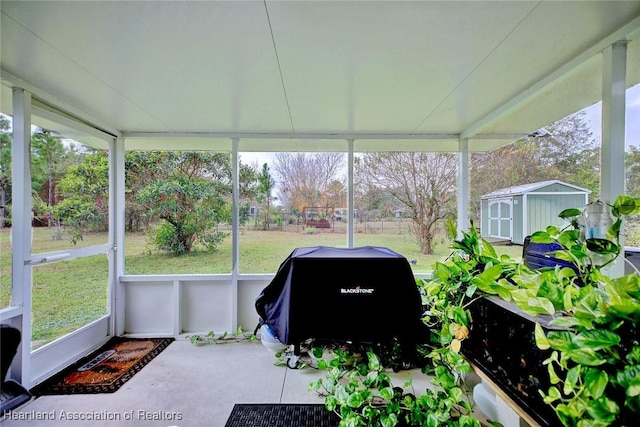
[
  {"x": 211, "y": 240},
  {"x": 166, "y": 238},
  {"x": 7, "y": 216},
  {"x": 309, "y": 230},
  {"x": 81, "y": 214}
]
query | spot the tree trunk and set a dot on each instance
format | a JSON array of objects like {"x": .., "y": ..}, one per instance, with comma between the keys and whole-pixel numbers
[
  {"x": 426, "y": 240},
  {"x": 50, "y": 198},
  {"x": 427, "y": 246},
  {"x": 185, "y": 241},
  {"x": 2, "y": 206}
]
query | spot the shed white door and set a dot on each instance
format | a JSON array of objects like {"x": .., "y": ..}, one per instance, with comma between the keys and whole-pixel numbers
[{"x": 500, "y": 218}]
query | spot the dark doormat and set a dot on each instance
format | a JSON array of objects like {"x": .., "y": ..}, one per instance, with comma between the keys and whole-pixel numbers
[
  {"x": 106, "y": 369},
  {"x": 281, "y": 415}
]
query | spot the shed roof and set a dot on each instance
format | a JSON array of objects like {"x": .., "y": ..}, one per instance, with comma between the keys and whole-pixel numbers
[{"x": 528, "y": 188}]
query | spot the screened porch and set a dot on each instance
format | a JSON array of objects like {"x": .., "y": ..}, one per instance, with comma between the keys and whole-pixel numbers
[{"x": 249, "y": 80}]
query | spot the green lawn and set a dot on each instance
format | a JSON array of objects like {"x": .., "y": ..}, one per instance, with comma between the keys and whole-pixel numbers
[
  {"x": 66, "y": 294},
  {"x": 70, "y": 294},
  {"x": 263, "y": 251}
]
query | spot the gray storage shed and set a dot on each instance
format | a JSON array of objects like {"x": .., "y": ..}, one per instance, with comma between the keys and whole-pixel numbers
[{"x": 515, "y": 212}]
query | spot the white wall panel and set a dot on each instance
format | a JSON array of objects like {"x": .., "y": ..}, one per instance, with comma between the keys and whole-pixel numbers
[
  {"x": 150, "y": 308},
  {"x": 248, "y": 291},
  {"x": 205, "y": 306}
]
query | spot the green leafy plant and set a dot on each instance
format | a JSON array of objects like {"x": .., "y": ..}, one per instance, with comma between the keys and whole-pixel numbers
[
  {"x": 594, "y": 366},
  {"x": 190, "y": 198},
  {"x": 362, "y": 392},
  {"x": 594, "y": 363},
  {"x": 222, "y": 338}
]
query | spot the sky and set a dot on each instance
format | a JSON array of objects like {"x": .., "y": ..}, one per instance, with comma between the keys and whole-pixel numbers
[{"x": 632, "y": 135}]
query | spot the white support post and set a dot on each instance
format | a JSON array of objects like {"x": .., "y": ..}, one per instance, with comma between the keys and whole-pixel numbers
[
  {"x": 235, "y": 231},
  {"x": 117, "y": 234},
  {"x": 612, "y": 169},
  {"x": 21, "y": 230},
  {"x": 507, "y": 416},
  {"x": 463, "y": 185},
  {"x": 350, "y": 196},
  {"x": 177, "y": 308}
]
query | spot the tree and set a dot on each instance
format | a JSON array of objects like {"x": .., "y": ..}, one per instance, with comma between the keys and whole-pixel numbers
[
  {"x": 264, "y": 191},
  {"x": 188, "y": 193},
  {"x": 85, "y": 194},
  {"x": 586, "y": 172},
  {"x": 568, "y": 153},
  {"x": 369, "y": 198},
  {"x": 632, "y": 166},
  {"x": 632, "y": 162},
  {"x": 142, "y": 168},
  {"x": 191, "y": 197},
  {"x": 248, "y": 181},
  {"x": 567, "y": 139},
  {"x": 424, "y": 183},
  {"x": 513, "y": 164},
  {"x": 48, "y": 152},
  {"x": 308, "y": 179},
  {"x": 5, "y": 167},
  {"x": 336, "y": 194}
]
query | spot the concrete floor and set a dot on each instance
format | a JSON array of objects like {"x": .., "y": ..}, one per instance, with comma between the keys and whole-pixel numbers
[{"x": 186, "y": 386}]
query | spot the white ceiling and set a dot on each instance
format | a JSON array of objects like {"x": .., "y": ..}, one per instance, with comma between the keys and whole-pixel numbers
[{"x": 389, "y": 73}]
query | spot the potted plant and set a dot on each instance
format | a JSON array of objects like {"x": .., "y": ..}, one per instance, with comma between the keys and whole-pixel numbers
[
  {"x": 594, "y": 366},
  {"x": 589, "y": 345}
]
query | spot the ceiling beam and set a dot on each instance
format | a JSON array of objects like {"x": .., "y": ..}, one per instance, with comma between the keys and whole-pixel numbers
[
  {"x": 58, "y": 104},
  {"x": 46, "y": 112},
  {"x": 313, "y": 136},
  {"x": 310, "y": 136}
]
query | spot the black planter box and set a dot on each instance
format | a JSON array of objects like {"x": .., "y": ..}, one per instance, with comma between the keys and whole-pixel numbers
[
  {"x": 502, "y": 345},
  {"x": 632, "y": 255}
]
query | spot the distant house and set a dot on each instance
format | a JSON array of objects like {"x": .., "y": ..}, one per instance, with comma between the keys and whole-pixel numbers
[
  {"x": 399, "y": 213},
  {"x": 515, "y": 212},
  {"x": 340, "y": 214}
]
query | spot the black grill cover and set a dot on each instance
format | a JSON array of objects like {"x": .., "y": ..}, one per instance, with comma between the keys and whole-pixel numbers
[{"x": 365, "y": 294}]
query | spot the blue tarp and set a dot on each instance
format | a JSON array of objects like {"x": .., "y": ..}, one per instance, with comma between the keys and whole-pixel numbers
[{"x": 540, "y": 256}]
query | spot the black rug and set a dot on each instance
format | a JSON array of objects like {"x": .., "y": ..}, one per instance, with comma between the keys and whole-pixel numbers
[
  {"x": 106, "y": 369},
  {"x": 281, "y": 415}
]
